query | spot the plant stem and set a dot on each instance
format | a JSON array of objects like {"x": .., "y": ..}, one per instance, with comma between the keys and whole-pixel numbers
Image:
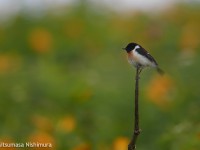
[{"x": 132, "y": 144}]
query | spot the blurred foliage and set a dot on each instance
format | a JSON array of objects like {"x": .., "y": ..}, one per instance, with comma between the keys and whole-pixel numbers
[{"x": 65, "y": 79}]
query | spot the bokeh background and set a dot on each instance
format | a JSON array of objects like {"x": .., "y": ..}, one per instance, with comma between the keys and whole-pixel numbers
[{"x": 64, "y": 77}]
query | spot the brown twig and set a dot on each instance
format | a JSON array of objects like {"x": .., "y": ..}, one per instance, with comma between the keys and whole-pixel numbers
[{"x": 132, "y": 144}]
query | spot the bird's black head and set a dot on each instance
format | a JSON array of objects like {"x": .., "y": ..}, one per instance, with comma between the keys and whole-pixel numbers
[{"x": 130, "y": 47}]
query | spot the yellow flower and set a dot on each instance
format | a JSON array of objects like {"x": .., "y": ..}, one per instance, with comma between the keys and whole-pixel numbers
[
  {"x": 121, "y": 143},
  {"x": 190, "y": 38},
  {"x": 83, "y": 146},
  {"x": 42, "y": 123},
  {"x": 160, "y": 90},
  {"x": 67, "y": 124},
  {"x": 85, "y": 95},
  {"x": 74, "y": 29},
  {"x": 198, "y": 136},
  {"x": 9, "y": 63},
  {"x": 82, "y": 95},
  {"x": 42, "y": 137},
  {"x": 40, "y": 40}
]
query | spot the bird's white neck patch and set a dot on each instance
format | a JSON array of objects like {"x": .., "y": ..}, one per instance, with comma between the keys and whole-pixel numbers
[{"x": 136, "y": 47}]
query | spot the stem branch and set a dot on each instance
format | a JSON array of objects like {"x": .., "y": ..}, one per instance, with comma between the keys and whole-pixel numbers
[{"x": 132, "y": 144}]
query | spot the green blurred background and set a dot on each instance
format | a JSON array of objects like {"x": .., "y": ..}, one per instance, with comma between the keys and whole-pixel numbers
[{"x": 64, "y": 78}]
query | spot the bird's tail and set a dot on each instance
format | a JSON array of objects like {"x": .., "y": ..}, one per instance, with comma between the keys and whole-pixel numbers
[{"x": 160, "y": 71}]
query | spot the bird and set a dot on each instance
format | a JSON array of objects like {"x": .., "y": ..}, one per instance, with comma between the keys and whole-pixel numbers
[{"x": 140, "y": 58}]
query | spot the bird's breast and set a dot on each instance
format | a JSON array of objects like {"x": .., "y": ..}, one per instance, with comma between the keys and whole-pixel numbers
[
  {"x": 136, "y": 58},
  {"x": 132, "y": 56},
  {"x": 132, "y": 59}
]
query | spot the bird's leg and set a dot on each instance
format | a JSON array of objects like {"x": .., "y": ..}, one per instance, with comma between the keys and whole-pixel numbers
[
  {"x": 139, "y": 67},
  {"x": 140, "y": 70}
]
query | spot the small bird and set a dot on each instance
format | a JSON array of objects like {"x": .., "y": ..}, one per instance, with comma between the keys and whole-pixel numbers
[{"x": 139, "y": 57}]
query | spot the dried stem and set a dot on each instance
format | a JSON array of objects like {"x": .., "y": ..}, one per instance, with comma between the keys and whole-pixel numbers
[{"x": 132, "y": 144}]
